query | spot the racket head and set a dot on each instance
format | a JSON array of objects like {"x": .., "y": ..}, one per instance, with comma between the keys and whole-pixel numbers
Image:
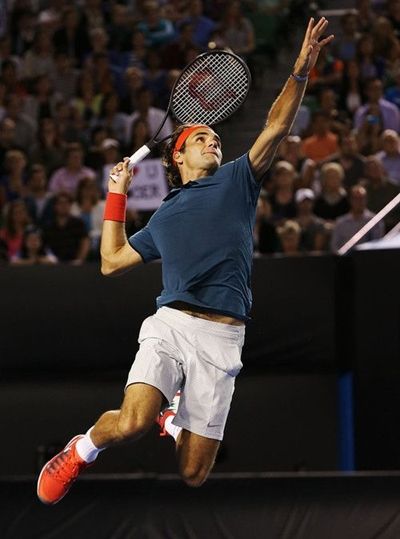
[{"x": 210, "y": 89}]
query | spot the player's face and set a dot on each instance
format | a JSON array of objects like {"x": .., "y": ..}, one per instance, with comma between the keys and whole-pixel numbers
[{"x": 202, "y": 150}]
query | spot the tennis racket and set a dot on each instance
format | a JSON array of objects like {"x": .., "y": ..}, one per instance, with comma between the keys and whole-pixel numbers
[{"x": 209, "y": 90}]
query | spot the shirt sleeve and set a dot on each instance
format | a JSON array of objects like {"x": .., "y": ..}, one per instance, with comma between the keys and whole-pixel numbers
[
  {"x": 242, "y": 173},
  {"x": 144, "y": 244}
]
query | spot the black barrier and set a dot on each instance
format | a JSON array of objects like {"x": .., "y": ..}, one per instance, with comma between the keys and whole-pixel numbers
[
  {"x": 252, "y": 507},
  {"x": 60, "y": 319}
]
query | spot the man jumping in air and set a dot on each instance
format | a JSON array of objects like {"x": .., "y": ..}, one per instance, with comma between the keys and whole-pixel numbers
[{"x": 191, "y": 347}]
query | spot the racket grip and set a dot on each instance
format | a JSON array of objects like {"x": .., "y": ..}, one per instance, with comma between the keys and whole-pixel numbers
[
  {"x": 135, "y": 158},
  {"x": 140, "y": 154}
]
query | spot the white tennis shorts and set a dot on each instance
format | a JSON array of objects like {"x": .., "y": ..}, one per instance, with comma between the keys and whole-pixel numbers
[{"x": 200, "y": 357}]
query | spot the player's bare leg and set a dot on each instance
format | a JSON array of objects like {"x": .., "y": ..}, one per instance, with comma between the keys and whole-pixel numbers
[
  {"x": 196, "y": 457},
  {"x": 139, "y": 410},
  {"x": 140, "y": 407}
]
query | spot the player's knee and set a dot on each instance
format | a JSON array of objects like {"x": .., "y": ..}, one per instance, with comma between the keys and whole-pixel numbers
[
  {"x": 194, "y": 476},
  {"x": 132, "y": 427}
]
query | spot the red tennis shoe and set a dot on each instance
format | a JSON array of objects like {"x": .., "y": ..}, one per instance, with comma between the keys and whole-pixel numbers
[
  {"x": 58, "y": 475},
  {"x": 167, "y": 412}
]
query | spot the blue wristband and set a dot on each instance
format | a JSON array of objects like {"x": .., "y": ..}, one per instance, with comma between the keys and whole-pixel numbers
[{"x": 299, "y": 78}]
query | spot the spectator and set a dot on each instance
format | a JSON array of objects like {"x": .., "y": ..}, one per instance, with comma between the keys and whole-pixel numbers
[
  {"x": 39, "y": 59},
  {"x": 349, "y": 158},
  {"x": 365, "y": 15},
  {"x": 157, "y": 30},
  {"x": 71, "y": 38},
  {"x": 174, "y": 56},
  {"x": 42, "y": 102},
  {"x": 313, "y": 230},
  {"x": 33, "y": 251},
  {"x": 155, "y": 76},
  {"x": 110, "y": 117},
  {"x": 48, "y": 149},
  {"x": 37, "y": 198},
  {"x": 326, "y": 72},
  {"x": 65, "y": 234},
  {"x": 90, "y": 209},
  {"x": 370, "y": 65},
  {"x": 120, "y": 28},
  {"x": 290, "y": 236},
  {"x": 139, "y": 136},
  {"x": 332, "y": 202},
  {"x": 323, "y": 142},
  {"x": 93, "y": 15},
  {"x": 12, "y": 183},
  {"x": 64, "y": 77},
  {"x": 393, "y": 14},
  {"x": 110, "y": 157},
  {"x": 302, "y": 121},
  {"x": 94, "y": 154},
  {"x": 346, "y": 43},
  {"x": 15, "y": 222},
  {"x": 67, "y": 178},
  {"x": 136, "y": 55},
  {"x": 290, "y": 150},
  {"x": 134, "y": 78},
  {"x": 380, "y": 190},
  {"x": 152, "y": 115},
  {"x": 282, "y": 192},
  {"x": 383, "y": 36},
  {"x": 88, "y": 100},
  {"x": 351, "y": 93},
  {"x": 22, "y": 29},
  {"x": 7, "y": 139},
  {"x": 202, "y": 26},
  {"x": 175, "y": 11},
  {"x": 237, "y": 31},
  {"x": 348, "y": 225},
  {"x": 327, "y": 104},
  {"x": 25, "y": 128},
  {"x": 387, "y": 113},
  {"x": 389, "y": 156},
  {"x": 9, "y": 75}
]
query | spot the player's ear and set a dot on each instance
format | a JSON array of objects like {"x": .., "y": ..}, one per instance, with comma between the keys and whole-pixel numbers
[{"x": 177, "y": 157}]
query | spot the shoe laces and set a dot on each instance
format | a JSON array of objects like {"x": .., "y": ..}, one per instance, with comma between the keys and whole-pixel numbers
[{"x": 65, "y": 468}]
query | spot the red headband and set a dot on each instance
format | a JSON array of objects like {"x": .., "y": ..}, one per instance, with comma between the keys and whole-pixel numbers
[{"x": 180, "y": 141}]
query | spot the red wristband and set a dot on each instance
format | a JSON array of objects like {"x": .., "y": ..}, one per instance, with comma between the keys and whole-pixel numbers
[{"x": 115, "y": 208}]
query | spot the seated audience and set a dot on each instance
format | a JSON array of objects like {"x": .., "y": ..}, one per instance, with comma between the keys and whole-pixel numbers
[
  {"x": 332, "y": 201},
  {"x": 348, "y": 225},
  {"x": 313, "y": 230},
  {"x": 67, "y": 177},
  {"x": 65, "y": 234},
  {"x": 33, "y": 251}
]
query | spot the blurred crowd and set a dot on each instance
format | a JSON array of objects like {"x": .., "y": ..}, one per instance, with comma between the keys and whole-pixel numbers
[
  {"x": 83, "y": 84},
  {"x": 341, "y": 163}
]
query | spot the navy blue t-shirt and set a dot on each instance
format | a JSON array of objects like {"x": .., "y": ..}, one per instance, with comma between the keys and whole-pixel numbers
[{"x": 203, "y": 232}]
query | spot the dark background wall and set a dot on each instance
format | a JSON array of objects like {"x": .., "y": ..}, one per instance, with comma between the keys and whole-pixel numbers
[{"x": 69, "y": 336}]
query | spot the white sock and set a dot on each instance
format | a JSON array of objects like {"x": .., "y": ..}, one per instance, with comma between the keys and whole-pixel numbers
[
  {"x": 86, "y": 448},
  {"x": 173, "y": 430}
]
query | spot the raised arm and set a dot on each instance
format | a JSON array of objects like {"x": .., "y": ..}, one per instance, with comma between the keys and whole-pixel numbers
[
  {"x": 283, "y": 112},
  {"x": 117, "y": 256}
]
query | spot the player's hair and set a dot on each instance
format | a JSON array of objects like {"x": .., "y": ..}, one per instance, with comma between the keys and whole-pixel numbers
[{"x": 171, "y": 169}]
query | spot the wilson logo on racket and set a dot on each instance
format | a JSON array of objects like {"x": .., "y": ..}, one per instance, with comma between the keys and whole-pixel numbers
[{"x": 201, "y": 83}]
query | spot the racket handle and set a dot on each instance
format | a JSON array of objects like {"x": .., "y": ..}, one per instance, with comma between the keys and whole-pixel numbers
[
  {"x": 140, "y": 154},
  {"x": 135, "y": 158}
]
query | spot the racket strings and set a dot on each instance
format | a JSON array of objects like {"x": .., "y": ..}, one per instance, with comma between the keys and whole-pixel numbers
[{"x": 211, "y": 89}]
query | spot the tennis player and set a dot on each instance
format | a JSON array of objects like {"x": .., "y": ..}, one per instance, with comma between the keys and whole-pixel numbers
[{"x": 184, "y": 373}]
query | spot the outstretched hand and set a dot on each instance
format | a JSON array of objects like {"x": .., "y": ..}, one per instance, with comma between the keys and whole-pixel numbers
[{"x": 311, "y": 46}]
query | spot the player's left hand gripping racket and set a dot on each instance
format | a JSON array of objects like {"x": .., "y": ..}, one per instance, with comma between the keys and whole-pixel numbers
[{"x": 209, "y": 90}]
